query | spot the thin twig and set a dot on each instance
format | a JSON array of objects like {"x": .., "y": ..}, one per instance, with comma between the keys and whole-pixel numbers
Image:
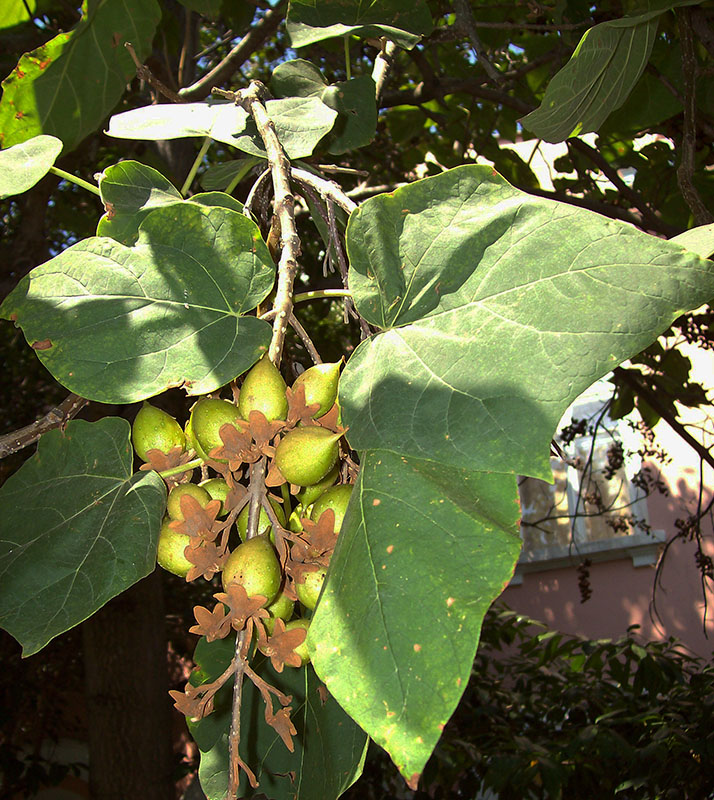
[
  {"x": 58, "y": 417},
  {"x": 465, "y": 18},
  {"x": 234, "y": 731},
  {"x": 305, "y": 339},
  {"x": 651, "y": 218},
  {"x": 226, "y": 68},
  {"x": 327, "y": 189},
  {"x": 685, "y": 170},
  {"x": 145, "y": 74}
]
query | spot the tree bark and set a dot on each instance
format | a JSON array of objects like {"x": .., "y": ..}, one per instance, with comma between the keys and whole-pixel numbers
[{"x": 128, "y": 707}]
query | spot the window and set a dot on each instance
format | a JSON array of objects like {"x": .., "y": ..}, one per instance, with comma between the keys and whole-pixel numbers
[{"x": 597, "y": 508}]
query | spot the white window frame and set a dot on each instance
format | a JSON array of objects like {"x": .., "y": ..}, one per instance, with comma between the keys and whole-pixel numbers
[{"x": 641, "y": 547}]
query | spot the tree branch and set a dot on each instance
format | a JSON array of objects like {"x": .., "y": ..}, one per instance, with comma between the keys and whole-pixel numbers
[
  {"x": 685, "y": 170},
  {"x": 223, "y": 71},
  {"x": 57, "y": 417},
  {"x": 284, "y": 209},
  {"x": 628, "y": 377},
  {"x": 465, "y": 18}
]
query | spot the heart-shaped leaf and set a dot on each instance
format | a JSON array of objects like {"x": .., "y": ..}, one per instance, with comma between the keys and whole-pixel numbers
[
  {"x": 119, "y": 324},
  {"x": 402, "y": 21},
  {"x": 67, "y": 86},
  {"x": 300, "y": 123},
  {"x": 77, "y": 529},
  {"x": 22, "y": 165},
  {"x": 329, "y": 747},
  {"x": 497, "y": 310}
]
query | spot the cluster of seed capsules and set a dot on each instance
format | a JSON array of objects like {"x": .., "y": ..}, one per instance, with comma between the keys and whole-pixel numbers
[{"x": 297, "y": 432}]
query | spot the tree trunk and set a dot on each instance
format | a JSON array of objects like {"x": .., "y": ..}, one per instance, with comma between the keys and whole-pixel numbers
[{"x": 128, "y": 707}]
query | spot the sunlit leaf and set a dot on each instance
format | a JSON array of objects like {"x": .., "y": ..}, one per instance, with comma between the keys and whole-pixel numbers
[{"x": 23, "y": 165}]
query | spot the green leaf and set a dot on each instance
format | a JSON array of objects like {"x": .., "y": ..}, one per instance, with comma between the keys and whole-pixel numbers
[
  {"x": 605, "y": 66},
  {"x": 15, "y": 12},
  {"x": 699, "y": 240},
  {"x": 118, "y": 324},
  {"x": 23, "y": 165},
  {"x": 77, "y": 529},
  {"x": 67, "y": 86},
  {"x": 329, "y": 747},
  {"x": 207, "y": 8},
  {"x": 402, "y": 21},
  {"x": 221, "y": 176},
  {"x": 130, "y": 190},
  {"x": 497, "y": 310},
  {"x": 355, "y": 102},
  {"x": 300, "y": 123},
  {"x": 297, "y": 78},
  {"x": 423, "y": 551}
]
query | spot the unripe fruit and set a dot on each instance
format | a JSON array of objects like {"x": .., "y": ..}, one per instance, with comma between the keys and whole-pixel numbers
[
  {"x": 309, "y": 590},
  {"x": 264, "y": 526},
  {"x": 263, "y": 390},
  {"x": 320, "y": 384},
  {"x": 192, "y": 443},
  {"x": 308, "y": 494},
  {"x": 254, "y": 565},
  {"x": 219, "y": 490},
  {"x": 281, "y": 608},
  {"x": 305, "y": 455},
  {"x": 301, "y": 649},
  {"x": 154, "y": 429},
  {"x": 207, "y": 417},
  {"x": 173, "y": 502},
  {"x": 170, "y": 552},
  {"x": 335, "y": 498}
]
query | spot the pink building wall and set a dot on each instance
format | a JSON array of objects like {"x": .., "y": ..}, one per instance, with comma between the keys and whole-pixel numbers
[{"x": 622, "y": 593}]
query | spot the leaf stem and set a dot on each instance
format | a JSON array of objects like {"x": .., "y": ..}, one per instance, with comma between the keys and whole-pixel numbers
[
  {"x": 321, "y": 294},
  {"x": 167, "y": 473},
  {"x": 196, "y": 164},
  {"x": 90, "y": 187},
  {"x": 348, "y": 68}
]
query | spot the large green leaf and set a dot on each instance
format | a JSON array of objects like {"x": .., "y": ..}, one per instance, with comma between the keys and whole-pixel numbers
[
  {"x": 300, "y": 123},
  {"x": 119, "y": 324},
  {"x": 15, "y": 12},
  {"x": 497, "y": 309},
  {"x": 329, "y": 747},
  {"x": 402, "y": 21},
  {"x": 423, "y": 552},
  {"x": 77, "y": 529},
  {"x": 22, "y": 165},
  {"x": 67, "y": 86}
]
